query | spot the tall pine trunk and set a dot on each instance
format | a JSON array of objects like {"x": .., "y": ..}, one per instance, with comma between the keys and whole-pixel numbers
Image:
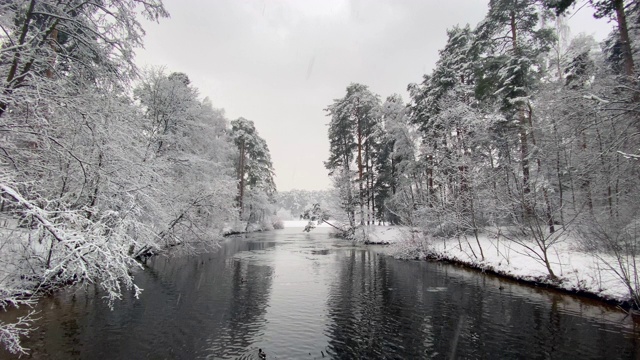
[
  {"x": 545, "y": 192},
  {"x": 241, "y": 166},
  {"x": 360, "y": 172},
  {"x": 625, "y": 41},
  {"x": 524, "y": 141}
]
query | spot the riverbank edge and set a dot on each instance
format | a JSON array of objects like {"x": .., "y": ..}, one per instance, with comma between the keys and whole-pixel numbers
[
  {"x": 233, "y": 233},
  {"x": 539, "y": 281},
  {"x": 579, "y": 274}
]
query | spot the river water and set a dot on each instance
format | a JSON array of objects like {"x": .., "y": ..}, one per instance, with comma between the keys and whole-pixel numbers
[{"x": 307, "y": 296}]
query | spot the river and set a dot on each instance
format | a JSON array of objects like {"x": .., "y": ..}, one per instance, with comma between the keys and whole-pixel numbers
[{"x": 307, "y": 296}]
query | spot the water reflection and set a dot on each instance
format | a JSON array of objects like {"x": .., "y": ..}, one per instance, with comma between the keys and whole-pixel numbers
[
  {"x": 305, "y": 296},
  {"x": 383, "y": 308},
  {"x": 190, "y": 308}
]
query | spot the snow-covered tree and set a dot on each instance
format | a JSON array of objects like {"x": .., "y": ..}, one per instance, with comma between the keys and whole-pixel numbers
[
  {"x": 47, "y": 44},
  {"x": 168, "y": 100},
  {"x": 352, "y": 136},
  {"x": 395, "y": 161},
  {"x": 189, "y": 154},
  {"x": 90, "y": 179},
  {"x": 511, "y": 71},
  {"x": 254, "y": 173},
  {"x": 615, "y": 10},
  {"x": 67, "y": 135},
  {"x": 296, "y": 202}
]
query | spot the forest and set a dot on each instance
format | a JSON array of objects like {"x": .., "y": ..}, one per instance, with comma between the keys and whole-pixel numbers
[
  {"x": 520, "y": 133},
  {"x": 294, "y": 203},
  {"x": 102, "y": 164}
]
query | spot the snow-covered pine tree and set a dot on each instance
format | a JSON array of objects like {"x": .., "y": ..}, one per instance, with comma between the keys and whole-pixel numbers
[
  {"x": 254, "y": 173},
  {"x": 395, "y": 158},
  {"x": 615, "y": 10},
  {"x": 511, "y": 70},
  {"x": 454, "y": 137},
  {"x": 354, "y": 119}
]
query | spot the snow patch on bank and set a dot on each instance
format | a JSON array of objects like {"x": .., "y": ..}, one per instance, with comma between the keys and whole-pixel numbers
[
  {"x": 386, "y": 234},
  {"x": 576, "y": 270}
]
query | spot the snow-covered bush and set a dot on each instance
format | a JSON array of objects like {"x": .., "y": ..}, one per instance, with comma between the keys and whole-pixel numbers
[
  {"x": 414, "y": 246},
  {"x": 616, "y": 243}
]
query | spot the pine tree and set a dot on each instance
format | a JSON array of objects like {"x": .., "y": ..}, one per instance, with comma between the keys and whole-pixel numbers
[
  {"x": 614, "y": 9},
  {"x": 395, "y": 156},
  {"x": 511, "y": 63},
  {"x": 254, "y": 170},
  {"x": 354, "y": 119}
]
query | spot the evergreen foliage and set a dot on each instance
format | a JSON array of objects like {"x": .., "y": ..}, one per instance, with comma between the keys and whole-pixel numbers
[{"x": 516, "y": 132}]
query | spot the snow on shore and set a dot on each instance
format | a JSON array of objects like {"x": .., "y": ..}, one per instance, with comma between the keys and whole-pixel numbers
[{"x": 576, "y": 270}]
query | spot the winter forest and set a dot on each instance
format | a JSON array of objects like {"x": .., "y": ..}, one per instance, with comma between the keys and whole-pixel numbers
[
  {"x": 102, "y": 164},
  {"x": 520, "y": 140},
  {"x": 521, "y": 143}
]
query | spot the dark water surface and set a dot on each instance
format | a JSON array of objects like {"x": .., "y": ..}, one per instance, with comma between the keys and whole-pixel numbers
[{"x": 302, "y": 296}]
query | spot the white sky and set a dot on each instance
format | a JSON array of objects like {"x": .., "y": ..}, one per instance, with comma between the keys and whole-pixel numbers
[{"x": 281, "y": 62}]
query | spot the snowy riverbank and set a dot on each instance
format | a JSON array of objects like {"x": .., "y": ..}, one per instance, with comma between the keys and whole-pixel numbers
[{"x": 577, "y": 271}]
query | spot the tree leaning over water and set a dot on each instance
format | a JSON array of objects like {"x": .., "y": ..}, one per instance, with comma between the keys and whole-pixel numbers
[
  {"x": 93, "y": 179},
  {"x": 65, "y": 125}
]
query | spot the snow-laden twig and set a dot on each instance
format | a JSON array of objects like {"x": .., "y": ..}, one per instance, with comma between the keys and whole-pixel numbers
[
  {"x": 10, "y": 333},
  {"x": 629, "y": 156},
  {"x": 597, "y": 98}
]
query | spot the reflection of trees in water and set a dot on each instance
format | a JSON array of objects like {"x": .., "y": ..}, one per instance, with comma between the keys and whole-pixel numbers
[
  {"x": 361, "y": 311},
  {"x": 186, "y": 302},
  {"x": 380, "y": 307},
  {"x": 499, "y": 325},
  {"x": 242, "y": 316}
]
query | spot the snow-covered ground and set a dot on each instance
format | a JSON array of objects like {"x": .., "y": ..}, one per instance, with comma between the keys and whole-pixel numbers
[{"x": 577, "y": 270}]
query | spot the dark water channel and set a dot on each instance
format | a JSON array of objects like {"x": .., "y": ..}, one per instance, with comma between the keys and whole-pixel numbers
[{"x": 302, "y": 296}]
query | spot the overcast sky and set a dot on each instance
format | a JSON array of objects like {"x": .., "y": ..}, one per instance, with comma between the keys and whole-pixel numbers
[{"x": 281, "y": 62}]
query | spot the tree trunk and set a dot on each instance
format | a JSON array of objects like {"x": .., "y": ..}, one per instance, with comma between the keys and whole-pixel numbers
[
  {"x": 625, "y": 41},
  {"x": 586, "y": 181},
  {"x": 462, "y": 169},
  {"x": 524, "y": 164},
  {"x": 368, "y": 181},
  {"x": 524, "y": 142},
  {"x": 16, "y": 57},
  {"x": 15, "y": 77},
  {"x": 430, "y": 190},
  {"x": 241, "y": 167},
  {"x": 373, "y": 198},
  {"x": 360, "y": 187},
  {"x": 53, "y": 42},
  {"x": 558, "y": 172},
  {"x": 545, "y": 193}
]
